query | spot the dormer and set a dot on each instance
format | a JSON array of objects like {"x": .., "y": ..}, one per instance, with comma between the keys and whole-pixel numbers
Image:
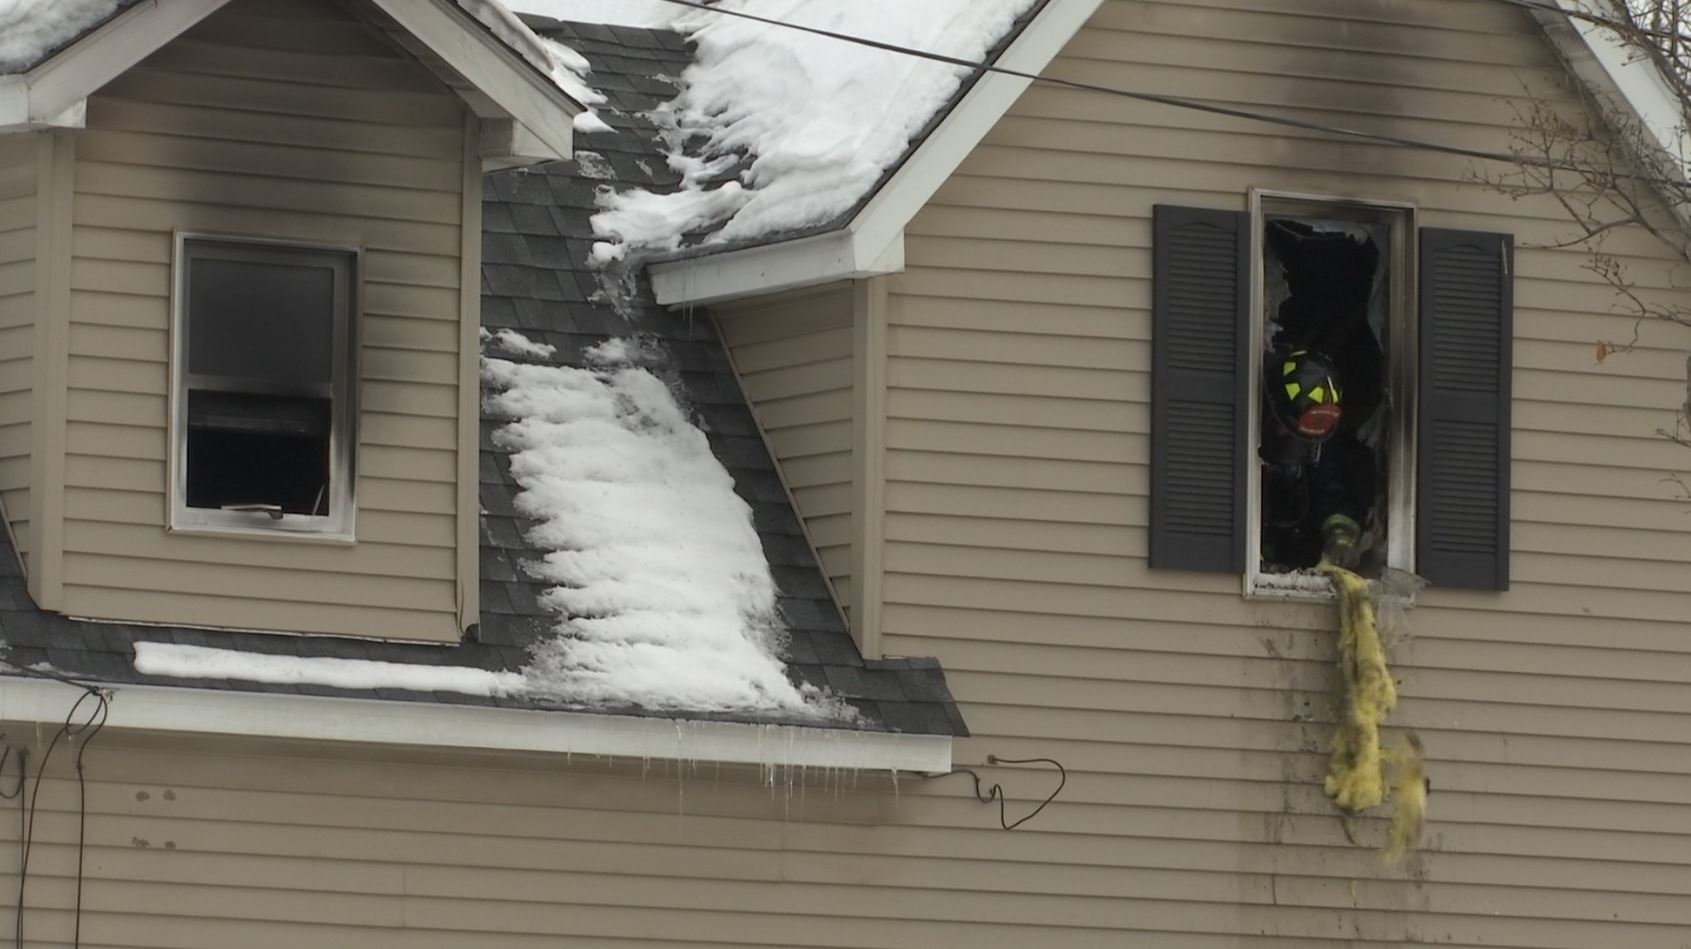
[{"x": 239, "y": 300}]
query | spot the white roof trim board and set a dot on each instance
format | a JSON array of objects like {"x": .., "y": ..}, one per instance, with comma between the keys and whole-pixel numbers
[
  {"x": 1598, "y": 58},
  {"x": 421, "y": 724},
  {"x": 55, "y": 92},
  {"x": 873, "y": 242}
]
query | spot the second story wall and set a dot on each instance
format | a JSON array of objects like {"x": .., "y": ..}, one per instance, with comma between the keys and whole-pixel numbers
[
  {"x": 1018, "y": 459},
  {"x": 793, "y": 353},
  {"x": 19, "y": 164},
  {"x": 290, "y": 121}
]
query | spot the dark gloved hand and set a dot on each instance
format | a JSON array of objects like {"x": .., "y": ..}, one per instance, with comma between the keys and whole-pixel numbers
[{"x": 1341, "y": 542}]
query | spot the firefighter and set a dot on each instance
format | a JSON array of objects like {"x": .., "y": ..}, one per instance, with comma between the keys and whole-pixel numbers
[{"x": 1318, "y": 479}]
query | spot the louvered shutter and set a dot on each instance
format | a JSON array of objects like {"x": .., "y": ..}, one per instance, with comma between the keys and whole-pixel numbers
[
  {"x": 1200, "y": 298},
  {"x": 1467, "y": 325}
]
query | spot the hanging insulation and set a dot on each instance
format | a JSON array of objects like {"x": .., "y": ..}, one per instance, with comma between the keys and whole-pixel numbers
[{"x": 1356, "y": 773}]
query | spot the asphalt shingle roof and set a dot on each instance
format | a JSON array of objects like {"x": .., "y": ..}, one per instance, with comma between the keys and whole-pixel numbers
[{"x": 536, "y": 280}]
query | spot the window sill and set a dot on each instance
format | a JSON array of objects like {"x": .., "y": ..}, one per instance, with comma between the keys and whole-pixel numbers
[
  {"x": 1306, "y": 586},
  {"x": 328, "y": 538}
]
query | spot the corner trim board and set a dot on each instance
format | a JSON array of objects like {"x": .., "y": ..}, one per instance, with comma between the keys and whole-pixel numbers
[{"x": 320, "y": 718}]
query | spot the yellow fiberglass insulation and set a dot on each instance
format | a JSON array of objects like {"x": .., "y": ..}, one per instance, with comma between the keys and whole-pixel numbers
[
  {"x": 1354, "y": 780},
  {"x": 1356, "y": 777}
]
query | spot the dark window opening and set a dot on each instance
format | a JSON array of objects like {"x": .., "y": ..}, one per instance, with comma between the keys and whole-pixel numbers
[
  {"x": 265, "y": 399},
  {"x": 258, "y": 453},
  {"x": 1324, "y": 439}
]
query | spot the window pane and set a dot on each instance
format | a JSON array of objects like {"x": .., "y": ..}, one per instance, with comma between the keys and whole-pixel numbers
[
  {"x": 258, "y": 452},
  {"x": 264, "y": 321}
]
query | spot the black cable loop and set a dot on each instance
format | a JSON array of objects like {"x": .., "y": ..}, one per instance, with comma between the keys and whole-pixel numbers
[{"x": 996, "y": 792}]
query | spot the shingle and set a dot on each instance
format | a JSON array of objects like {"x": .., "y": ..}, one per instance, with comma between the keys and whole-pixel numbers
[
  {"x": 924, "y": 685},
  {"x": 493, "y": 598},
  {"x": 835, "y": 649}
]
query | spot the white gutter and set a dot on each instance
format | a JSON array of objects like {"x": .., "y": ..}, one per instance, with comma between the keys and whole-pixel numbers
[
  {"x": 423, "y": 724},
  {"x": 873, "y": 243},
  {"x": 771, "y": 268}
]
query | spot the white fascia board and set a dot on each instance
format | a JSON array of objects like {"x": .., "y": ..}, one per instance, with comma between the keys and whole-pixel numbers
[
  {"x": 524, "y": 95},
  {"x": 57, "y": 86},
  {"x": 1609, "y": 66},
  {"x": 370, "y": 721},
  {"x": 873, "y": 243},
  {"x": 772, "y": 268}
]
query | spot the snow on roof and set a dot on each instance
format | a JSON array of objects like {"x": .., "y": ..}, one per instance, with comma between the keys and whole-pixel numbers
[
  {"x": 31, "y": 29},
  {"x": 205, "y": 662},
  {"x": 820, "y": 118},
  {"x": 646, "y": 13},
  {"x": 664, "y": 598}
]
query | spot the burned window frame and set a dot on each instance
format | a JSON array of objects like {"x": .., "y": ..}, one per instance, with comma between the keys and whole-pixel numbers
[
  {"x": 348, "y": 263},
  {"x": 1402, "y": 368}
]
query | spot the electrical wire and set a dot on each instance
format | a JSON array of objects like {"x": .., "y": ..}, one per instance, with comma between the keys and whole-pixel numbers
[
  {"x": 996, "y": 792},
  {"x": 1179, "y": 102},
  {"x": 73, "y": 730}
]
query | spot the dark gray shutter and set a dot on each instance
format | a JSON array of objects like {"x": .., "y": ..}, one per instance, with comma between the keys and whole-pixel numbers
[
  {"x": 1467, "y": 325},
  {"x": 1199, "y": 298}
]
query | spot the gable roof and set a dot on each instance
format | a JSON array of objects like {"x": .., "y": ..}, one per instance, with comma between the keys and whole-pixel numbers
[
  {"x": 869, "y": 238},
  {"x": 537, "y": 281},
  {"x": 476, "y": 47}
]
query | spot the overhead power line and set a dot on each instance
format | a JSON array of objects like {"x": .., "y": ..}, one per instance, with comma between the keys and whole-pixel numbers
[{"x": 1178, "y": 102}]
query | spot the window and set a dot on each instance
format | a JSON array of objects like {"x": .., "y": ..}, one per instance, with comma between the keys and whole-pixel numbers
[
  {"x": 263, "y": 414},
  {"x": 1282, "y": 309},
  {"x": 1333, "y": 381}
]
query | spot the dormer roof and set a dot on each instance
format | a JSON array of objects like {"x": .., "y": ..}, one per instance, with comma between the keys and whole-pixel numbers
[{"x": 59, "y": 52}]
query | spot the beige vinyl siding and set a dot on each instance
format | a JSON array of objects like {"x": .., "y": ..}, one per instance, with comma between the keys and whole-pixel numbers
[
  {"x": 793, "y": 355},
  {"x": 19, "y": 174},
  {"x": 280, "y": 120},
  {"x": 1194, "y": 721}
]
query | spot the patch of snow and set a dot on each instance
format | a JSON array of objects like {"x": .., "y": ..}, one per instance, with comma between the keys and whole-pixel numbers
[
  {"x": 29, "y": 29},
  {"x": 514, "y": 342},
  {"x": 589, "y": 123},
  {"x": 645, "y": 219},
  {"x": 633, "y": 351},
  {"x": 570, "y": 70},
  {"x": 202, "y": 662},
  {"x": 664, "y": 596},
  {"x": 822, "y": 118},
  {"x": 622, "y": 12},
  {"x": 593, "y": 165}
]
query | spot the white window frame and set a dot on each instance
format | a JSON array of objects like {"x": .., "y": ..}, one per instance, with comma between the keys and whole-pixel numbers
[
  {"x": 1403, "y": 365},
  {"x": 339, "y": 526}
]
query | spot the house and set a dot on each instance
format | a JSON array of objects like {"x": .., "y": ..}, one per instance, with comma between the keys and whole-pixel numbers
[{"x": 969, "y": 411}]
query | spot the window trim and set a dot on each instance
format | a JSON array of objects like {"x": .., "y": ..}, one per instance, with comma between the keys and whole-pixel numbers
[
  {"x": 1404, "y": 363},
  {"x": 337, "y": 527}
]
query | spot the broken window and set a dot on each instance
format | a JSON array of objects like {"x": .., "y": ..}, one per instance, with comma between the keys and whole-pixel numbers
[
  {"x": 263, "y": 386},
  {"x": 1334, "y": 338}
]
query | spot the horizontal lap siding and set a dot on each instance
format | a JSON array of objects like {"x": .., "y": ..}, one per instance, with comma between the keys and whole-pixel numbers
[
  {"x": 289, "y": 121},
  {"x": 18, "y": 213},
  {"x": 793, "y": 355},
  {"x": 1556, "y": 715}
]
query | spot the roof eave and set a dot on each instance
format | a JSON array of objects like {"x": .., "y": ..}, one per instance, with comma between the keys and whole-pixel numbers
[
  {"x": 264, "y": 715},
  {"x": 55, "y": 92},
  {"x": 526, "y": 118},
  {"x": 872, "y": 241},
  {"x": 505, "y": 87},
  {"x": 1599, "y": 59}
]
